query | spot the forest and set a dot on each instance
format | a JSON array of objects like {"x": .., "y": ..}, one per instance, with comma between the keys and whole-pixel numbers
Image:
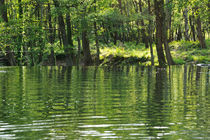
[{"x": 103, "y": 32}]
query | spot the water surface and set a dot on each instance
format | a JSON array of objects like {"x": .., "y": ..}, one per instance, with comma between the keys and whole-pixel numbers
[{"x": 104, "y": 103}]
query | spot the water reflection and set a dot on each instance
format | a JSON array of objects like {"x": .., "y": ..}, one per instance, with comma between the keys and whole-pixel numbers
[{"x": 101, "y": 103}]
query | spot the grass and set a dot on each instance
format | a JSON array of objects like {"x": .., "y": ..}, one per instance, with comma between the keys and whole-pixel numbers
[
  {"x": 190, "y": 52},
  {"x": 127, "y": 50},
  {"x": 182, "y": 52}
]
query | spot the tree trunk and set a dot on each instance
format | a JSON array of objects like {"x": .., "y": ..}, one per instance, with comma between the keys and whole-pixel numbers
[
  {"x": 64, "y": 36},
  {"x": 96, "y": 37},
  {"x": 87, "y": 59},
  {"x": 69, "y": 30},
  {"x": 192, "y": 26},
  {"x": 185, "y": 14},
  {"x": 150, "y": 34},
  {"x": 137, "y": 23},
  {"x": 171, "y": 35},
  {"x": 20, "y": 37},
  {"x": 9, "y": 53},
  {"x": 120, "y": 24},
  {"x": 86, "y": 49},
  {"x": 79, "y": 50},
  {"x": 51, "y": 37},
  {"x": 201, "y": 38},
  {"x": 143, "y": 31},
  {"x": 179, "y": 34},
  {"x": 159, "y": 4},
  {"x": 97, "y": 45},
  {"x": 70, "y": 40},
  {"x": 166, "y": 20}
]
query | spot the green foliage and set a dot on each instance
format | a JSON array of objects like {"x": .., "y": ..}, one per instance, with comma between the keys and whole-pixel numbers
[{"x": 28, "y": 31}]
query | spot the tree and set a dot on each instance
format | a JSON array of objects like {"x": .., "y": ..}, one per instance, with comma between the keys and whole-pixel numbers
[
  {"x": 159, "y": 12},
  {"x": 66, "y": 42},
  {"x": 9, "y": 53}
]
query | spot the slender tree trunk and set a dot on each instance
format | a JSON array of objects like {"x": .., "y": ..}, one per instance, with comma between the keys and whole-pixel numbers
[
  {"x": 120, "y": 25},
  {"x": 171, "y": 34},
  {"x": 201, "y": 38},
  {"x": 70, "y": 40},
  {"x": 166, "y": 20},
  {"x": 69, "y": 30},
  {"x": 79, "y": 50},
  {"x": 20, "y": 37},
  {"x": 97, "y": 44},
  {"x": 86, "y": 49},
  {"x": 96, "y": 38},
  {"x": 185, "y": 14},
  {"x": 159, "y": 4},
  {"x": 170, "y": 27},
  {"x": 87, "y": 60},
  {"x": 179, "y": 33},
  {"x": 41, "y": 47},
  {"x": 137, "y": 23},
  {"x": 143, "y": 31},
  {"x": 150, "y": 34},
  {"x": 192, "y": 26},
  {"x": 51, "y": 37}
]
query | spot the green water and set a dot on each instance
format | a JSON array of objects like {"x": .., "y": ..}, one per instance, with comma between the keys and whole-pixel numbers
[{"x": 104, "y": 103}]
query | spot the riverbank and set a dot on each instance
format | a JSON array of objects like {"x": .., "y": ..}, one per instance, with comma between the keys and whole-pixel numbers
[{"x": 183, "y": 52}]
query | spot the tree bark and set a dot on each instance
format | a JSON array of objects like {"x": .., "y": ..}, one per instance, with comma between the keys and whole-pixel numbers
[
  {"x": 64, "y": 36},
  {"x": 96, "y": 38},
  {"x": 191, "y": 18},
  {"x": 9, "y": 54},
  {"x": 185, "y": 14},
  {"x": 166, "y": 20},
  {"x": 143, "y": 31},
  {"x": 20, "y": 37},
  {"x": 79, "y": 50},
  {"x": 86, "y": 49},
  {"x": 201, "y": 38},
  {"x": 69, "y": 30},
  {"x": 51, "y": 37},
  {"x": 87, "y": 60},
  {"x": 150, "y": 34},
  {"x": 179, "y": 33},
  {"x": 159, "y": 23}
]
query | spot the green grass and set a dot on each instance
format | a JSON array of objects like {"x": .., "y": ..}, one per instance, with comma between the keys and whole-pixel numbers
[
  {"x": 182, "y": 52},
  {"x": 190, "y": 52}
]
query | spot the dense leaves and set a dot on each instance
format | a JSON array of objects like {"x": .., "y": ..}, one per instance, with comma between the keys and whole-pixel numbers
[{"x": 37, "y": 31}]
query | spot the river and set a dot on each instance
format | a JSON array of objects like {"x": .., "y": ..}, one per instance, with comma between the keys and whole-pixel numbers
[{"x": 130, "y": 102}]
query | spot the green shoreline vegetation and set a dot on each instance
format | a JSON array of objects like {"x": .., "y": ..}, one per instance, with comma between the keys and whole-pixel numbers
[
  {"x": 183, "y": 52},
  {"x": 104, "y": 32}
]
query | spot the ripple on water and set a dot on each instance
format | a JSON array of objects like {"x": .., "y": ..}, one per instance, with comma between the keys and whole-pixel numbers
[{"x": 140, "y": 103}]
